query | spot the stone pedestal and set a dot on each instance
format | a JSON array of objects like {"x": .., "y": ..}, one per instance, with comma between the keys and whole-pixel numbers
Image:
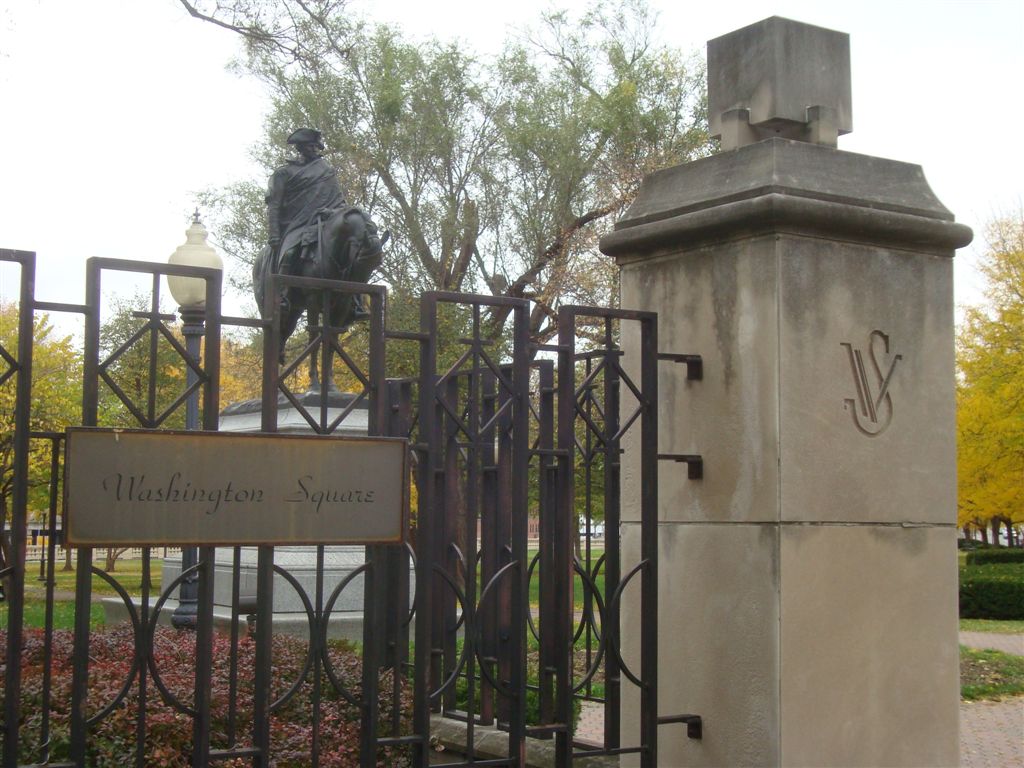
[{"x": 808, "y": 599}]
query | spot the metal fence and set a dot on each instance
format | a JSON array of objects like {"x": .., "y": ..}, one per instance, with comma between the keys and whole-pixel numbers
[{"x": 491, "y": 631}]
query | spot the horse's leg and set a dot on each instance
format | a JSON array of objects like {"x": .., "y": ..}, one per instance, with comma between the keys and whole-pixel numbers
[
  {"x": 320, "y": 382},
  {"x": 329, "y": 364},
  {"x": 289, "y": 322}
]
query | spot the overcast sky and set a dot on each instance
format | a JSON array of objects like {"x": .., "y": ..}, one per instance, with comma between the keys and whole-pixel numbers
[{"x": 116, "y": 112}]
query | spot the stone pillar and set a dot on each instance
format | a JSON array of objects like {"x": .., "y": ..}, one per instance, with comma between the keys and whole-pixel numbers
[{"x": 808, "y": 583}]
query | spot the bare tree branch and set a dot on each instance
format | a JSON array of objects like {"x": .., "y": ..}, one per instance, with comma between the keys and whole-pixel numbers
[{"x": 553, "y": 251}]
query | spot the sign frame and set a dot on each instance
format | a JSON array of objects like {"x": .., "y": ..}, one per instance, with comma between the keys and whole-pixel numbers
[{"x": 79, "y": 489}]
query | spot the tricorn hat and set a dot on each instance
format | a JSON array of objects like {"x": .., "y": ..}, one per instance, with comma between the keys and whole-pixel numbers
[{"x": 306, "y": 136}]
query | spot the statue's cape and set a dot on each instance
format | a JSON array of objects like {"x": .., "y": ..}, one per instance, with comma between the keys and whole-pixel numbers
[{"x": 298, "y": 191}]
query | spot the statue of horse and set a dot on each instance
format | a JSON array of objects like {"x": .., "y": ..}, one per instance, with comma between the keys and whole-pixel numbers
[{"x": 346, "y": 246}]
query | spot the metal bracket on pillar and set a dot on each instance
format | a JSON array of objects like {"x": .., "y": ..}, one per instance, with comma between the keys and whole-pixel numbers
[
  {"x": 694, "y": 724},
  {"x": 694, "y": 364},
  {"x": 694, "y": 463}
]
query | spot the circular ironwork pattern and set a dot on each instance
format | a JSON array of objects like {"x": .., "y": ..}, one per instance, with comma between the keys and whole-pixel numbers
[
  {"x": 135, "y": 665},
  {"x": 504, "y": 690},
  {"x": 325, "y": 618},
  {"x": 613, "y": 602},
  {"x": 165, "y": 693},
  {"x": 310, "y": 651},
  {"x": 461, "y": 598}
]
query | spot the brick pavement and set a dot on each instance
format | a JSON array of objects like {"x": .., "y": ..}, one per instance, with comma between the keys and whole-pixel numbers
[
  {"x": 591, "y": 722},
  {"x": 992, "y": 734}
]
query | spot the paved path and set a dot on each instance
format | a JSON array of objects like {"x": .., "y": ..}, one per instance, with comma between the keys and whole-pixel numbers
[
  {"x": 992, "y": 733},
  {"x": 995, "y": 641}
]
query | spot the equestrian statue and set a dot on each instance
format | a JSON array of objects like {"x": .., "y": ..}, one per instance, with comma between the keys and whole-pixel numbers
[{"x": 314, "y": 232}]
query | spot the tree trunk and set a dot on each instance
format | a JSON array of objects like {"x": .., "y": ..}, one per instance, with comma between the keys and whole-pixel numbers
[{"x": 6, "y": 547}]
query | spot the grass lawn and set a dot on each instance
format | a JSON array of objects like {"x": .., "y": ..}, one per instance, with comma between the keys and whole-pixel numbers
[
  {"x": 578, "y": 591},
  {"x": 63, "y": 614},
  {"x": 128, "y": 573},
  {"x": 1004, "y": 626},
  {"x": 990, "y": 674}
]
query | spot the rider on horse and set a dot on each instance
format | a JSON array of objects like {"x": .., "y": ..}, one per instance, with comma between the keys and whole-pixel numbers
[
  {"x": 314, "y": 233},
  {"x": 299, "y": 191}
]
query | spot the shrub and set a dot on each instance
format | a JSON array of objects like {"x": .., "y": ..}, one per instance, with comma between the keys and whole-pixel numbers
[
  {"x": 968, "y": 544},
  {"x": 992, "y": 592},
  {"x": 111, "y": 742},
  {"x": 1001, "y": 555}
]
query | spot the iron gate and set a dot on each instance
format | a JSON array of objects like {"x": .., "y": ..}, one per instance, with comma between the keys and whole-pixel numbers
[{"x": 501, "y": 630}]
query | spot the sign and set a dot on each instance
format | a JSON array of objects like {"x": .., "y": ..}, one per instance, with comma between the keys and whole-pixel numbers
[{"x": 141, "y": 487}]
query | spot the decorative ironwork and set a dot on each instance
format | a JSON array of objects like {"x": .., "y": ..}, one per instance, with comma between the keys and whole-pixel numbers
[{"x": 502, "y": 433}]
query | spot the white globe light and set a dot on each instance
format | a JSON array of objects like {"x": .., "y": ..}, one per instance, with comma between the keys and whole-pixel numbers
[{"x": 194, "y": 252}]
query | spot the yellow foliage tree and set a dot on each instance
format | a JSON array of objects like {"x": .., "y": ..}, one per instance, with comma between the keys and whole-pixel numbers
[
  {"x": 990, "y": 390},
  {"x": 56, "y": 403}
]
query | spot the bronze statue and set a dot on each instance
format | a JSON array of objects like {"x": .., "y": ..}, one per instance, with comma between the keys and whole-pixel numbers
[
  {"x": 297, "y": 192},
  {"x": 313, "y": 232}
]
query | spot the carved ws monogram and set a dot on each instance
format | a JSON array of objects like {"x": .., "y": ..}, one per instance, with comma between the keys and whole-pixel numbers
[{"x": 872, "y": 409}]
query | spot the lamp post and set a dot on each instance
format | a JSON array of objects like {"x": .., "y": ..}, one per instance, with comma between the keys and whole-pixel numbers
[{"x": 190, "y": 293}]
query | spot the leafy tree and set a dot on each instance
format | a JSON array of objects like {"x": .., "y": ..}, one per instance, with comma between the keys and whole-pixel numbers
[
  {"x": 139, "y": 386},
  {"x": 56, "y": 403},
  {"x": 990, "y": 389},
  {"x": 494, "y": 176},
  {"x": 241, "y": 368}
]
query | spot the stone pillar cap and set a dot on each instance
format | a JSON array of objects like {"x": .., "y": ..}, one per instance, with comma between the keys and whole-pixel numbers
[
  {"x": 780, "y": 185},
  {"x": 782, "y": 78}
]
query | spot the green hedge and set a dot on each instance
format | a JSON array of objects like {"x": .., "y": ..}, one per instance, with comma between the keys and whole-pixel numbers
[
  {"x": 992, "y": 592},
  {"x": 1003, "y": 555}
]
